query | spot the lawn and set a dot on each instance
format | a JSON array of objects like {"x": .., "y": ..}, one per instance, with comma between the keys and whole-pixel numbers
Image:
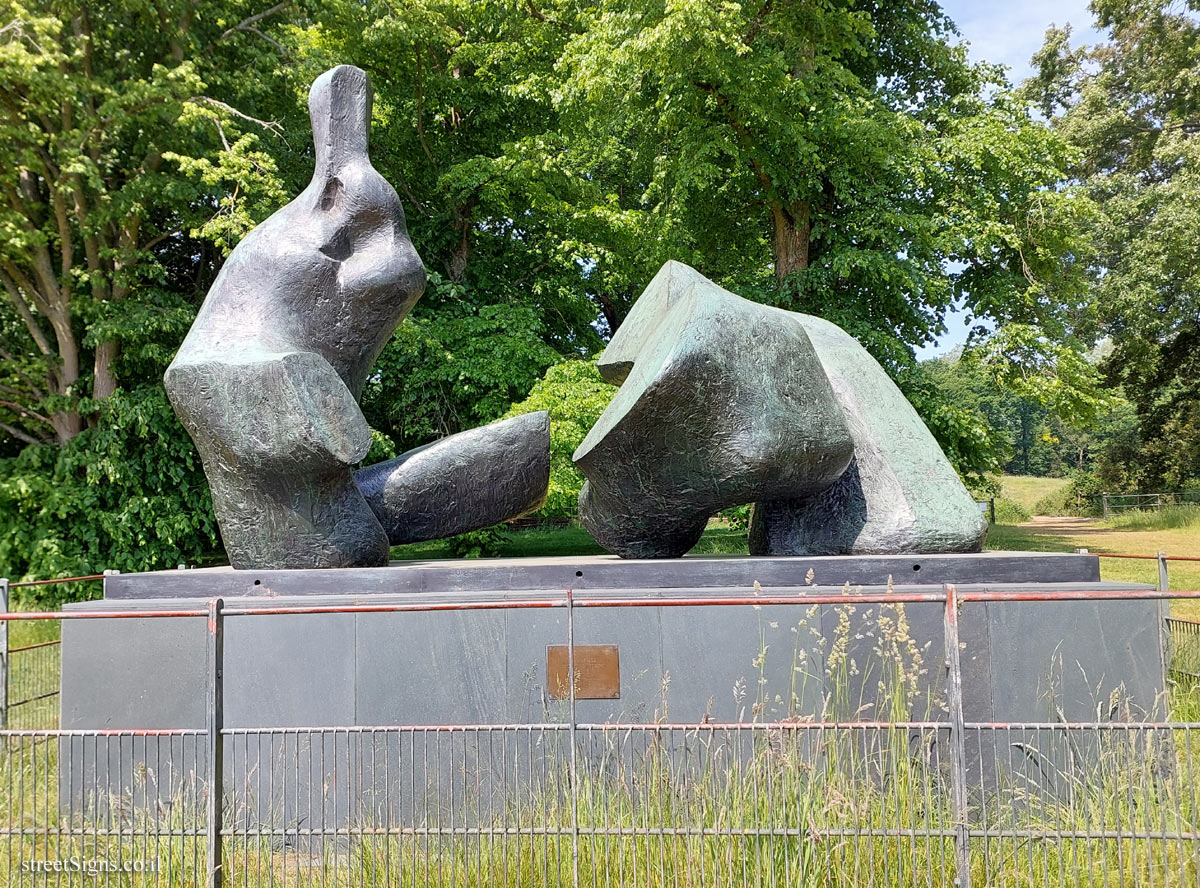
[
  {"x": 1026, "y": 490},
  {"x": 718, "y": 539},
  {"x": 1069, "y": 534}
]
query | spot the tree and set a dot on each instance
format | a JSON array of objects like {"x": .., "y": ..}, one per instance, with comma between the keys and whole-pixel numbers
[
  {"x": 138, "y": 142},
  {"x": 839, "y": 158},
  {"x": 1128, "y": 107},
  {"x": 119, "y": 138},
  {"x": 458, "y": 369}
]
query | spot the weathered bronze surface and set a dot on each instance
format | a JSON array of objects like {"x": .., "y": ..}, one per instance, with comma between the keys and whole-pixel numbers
[
  {"x": 267, "y": 380},
  {"x": 462, "y": 482},
  {"x": 724, "y": 402},
  {"x": 597, "y": 672}
]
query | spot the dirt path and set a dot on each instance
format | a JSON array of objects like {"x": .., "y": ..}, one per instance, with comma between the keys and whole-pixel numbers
[{"x": 1059, "y": 524}]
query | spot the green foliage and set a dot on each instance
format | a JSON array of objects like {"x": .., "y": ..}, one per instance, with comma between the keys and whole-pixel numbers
[
  {"x": 1044, "y": 417},
  {"x": 131, "y": 129},
  {"x": 738, "y": 517},
  {"x": 128, "y": 494},
  {"x": 575, "y": 396},
  {"x": 487, "y": 542},
  {"x": 454, "y": 365},
  {"x": 1129, "y": 106},
  {"x": 850, "y": 146},
  {"x": 140, "y": 140},
  {"x": 974, "y": 446},
  {"x": 1010, "y": 512},
  {"x": 838, "y": 158},
  {"x": 1080, "y": 497}
]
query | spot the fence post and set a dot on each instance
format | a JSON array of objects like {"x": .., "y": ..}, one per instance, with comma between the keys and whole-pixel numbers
[
  {"x": 1104, "y": 503},
  {"x": 571, "y": 730},
  {"x": 958, "y": 741},
  {"x": 215, "y": 762},
  {"x": 3, "y": 655},
  {"x": 1163, "y": 582},
  {"x": 992, "y": 509}
]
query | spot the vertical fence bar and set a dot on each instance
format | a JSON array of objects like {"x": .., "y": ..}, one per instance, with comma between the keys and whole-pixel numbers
[
  {"x": 216, "y": 718},
  {"x": 1163, "y": 581},
  {"x": 992, "y": 509},
  {"x": 3, "y": 655},
  {"x": 958, "y": 741},
  {"x": 1104, "y": 503},
  {"x": 571, "y": 731}
]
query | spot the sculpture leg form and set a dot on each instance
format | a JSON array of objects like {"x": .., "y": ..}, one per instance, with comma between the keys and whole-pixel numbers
[
  {"x": 899, "y": 495},
  {"x": 463, "y": 482}
]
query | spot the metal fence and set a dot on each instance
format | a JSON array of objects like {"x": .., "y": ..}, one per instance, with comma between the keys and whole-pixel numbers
[
  {"x": 1183, "y": 649},
  {"x": 1111, "y": 503},
  {"x": 29, "y": 670},
  {"x": 793, "y": 803}
]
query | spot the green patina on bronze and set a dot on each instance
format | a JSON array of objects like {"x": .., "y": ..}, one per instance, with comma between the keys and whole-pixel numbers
[{"x": 724, "y": 401}]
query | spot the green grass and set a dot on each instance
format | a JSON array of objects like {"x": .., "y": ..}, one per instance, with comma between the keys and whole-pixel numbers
[
  {"x": 1067, "y": 535},
  {"x": 1185, "y": 516},
  {"x": 1026, "y": 490},
  {"x": 534, "y": 541},
  {"x": 719, "y": 538}
]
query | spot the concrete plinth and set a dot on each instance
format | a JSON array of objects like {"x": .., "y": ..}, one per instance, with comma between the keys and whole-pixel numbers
[{"x": 1029, "y": 661}]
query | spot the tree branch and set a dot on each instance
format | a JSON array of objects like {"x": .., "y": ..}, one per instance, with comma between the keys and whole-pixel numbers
[
  {"x": 271, "y": 125},
  {"x": 24, "y": 411},
  {"x": 247, "y": 24},
  {"x": 14, "y": 292},
  {"x": 22, "y": 436},
  {"x": 12, "y": 360}
]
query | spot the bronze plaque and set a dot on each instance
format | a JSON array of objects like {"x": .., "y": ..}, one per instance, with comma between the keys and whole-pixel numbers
[{"x": 597, "y": 672}]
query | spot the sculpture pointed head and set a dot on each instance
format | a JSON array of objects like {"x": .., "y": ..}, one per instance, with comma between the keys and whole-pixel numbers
[{"x": 339, "y": 105}]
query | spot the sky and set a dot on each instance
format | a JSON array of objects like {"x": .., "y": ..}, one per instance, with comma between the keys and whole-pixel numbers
[{"x": 1008, "y": 33}]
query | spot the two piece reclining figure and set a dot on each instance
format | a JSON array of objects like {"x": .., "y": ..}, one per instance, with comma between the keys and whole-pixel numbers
[{"x": 722, "y": 402}]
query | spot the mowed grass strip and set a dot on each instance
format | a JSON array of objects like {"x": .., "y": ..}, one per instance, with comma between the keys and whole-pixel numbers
[
  {"x": 1069, "y": 534},
  {"x": 1027, "y": 490}
]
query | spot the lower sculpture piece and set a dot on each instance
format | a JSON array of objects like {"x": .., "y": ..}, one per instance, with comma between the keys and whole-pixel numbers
[
  {"x": 267, "y": 380},
  {"x": 724, "y": 402},
  {"x": 474, "y": 479}
]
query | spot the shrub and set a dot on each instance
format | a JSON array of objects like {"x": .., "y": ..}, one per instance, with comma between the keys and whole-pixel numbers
[
  {"x": 127, "y": 494},
  {"x": 1010, "y": 511},
  {"x": 487, "y": 542},
  {"x": 575, "y": 396}
]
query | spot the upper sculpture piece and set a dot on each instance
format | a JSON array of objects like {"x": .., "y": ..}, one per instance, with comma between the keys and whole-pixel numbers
[
  {"x": 724, "y": 401},
  {"x": 267, "y": 380}
]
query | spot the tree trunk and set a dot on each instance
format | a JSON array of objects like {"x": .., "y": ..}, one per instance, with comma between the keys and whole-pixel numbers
[
  {"x": 791, "y": 227},
  {"x": 608, "y": 308},
  {"x": 104, "y": 383},
  {"x": 456, "y": 265},
  {"x": 67, "y": 423}
]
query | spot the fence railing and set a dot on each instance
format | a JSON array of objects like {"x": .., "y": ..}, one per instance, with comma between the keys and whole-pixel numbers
[
  {"x": 1111, "y": 503},
  {"x": 931, "y": 801},
  {"x": 29, "y": 670}
]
